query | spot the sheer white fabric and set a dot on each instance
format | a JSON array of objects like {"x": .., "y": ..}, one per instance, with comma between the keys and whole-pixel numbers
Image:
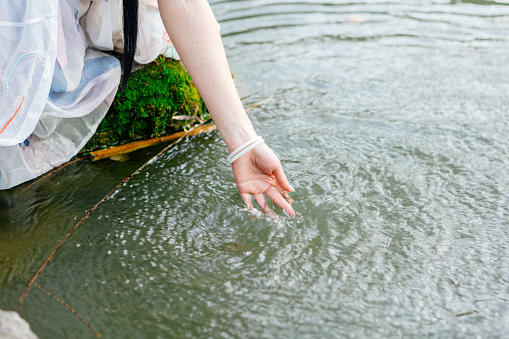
[
  {"x": 28, "y": 35},
  {"x": 103, "y": 24},
  {"x": 54, "y": 91}
]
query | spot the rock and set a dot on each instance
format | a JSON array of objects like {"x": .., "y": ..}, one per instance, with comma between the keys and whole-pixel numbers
[
  {"x": 159, "y": 99},
  {"x": 12, "y": 326}
]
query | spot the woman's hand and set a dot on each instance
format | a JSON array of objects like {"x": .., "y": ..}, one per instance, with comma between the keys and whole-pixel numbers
[{"x": 259, "y": 171}]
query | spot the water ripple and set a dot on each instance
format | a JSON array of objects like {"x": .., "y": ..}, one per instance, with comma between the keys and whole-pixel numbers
[{"x": 391, "y": 121}]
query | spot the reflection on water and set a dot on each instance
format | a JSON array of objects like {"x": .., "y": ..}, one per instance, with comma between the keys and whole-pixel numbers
[{"x": 391, "y": 120}]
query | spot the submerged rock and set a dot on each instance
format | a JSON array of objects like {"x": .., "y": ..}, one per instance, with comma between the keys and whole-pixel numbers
[
  {"x": 156, "y": 101},
  {"x": 12, "y": 326}
]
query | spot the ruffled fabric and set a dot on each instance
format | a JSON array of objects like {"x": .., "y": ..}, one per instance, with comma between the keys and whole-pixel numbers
[{"x": 54, "y": 89}]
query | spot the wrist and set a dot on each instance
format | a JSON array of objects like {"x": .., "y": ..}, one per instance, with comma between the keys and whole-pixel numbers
[
  {"x": 238, "y": 140},
  {"x": 235, "y": 134},
  {"x": 244, "y": 148},
  {"x": 233, "y": 124}
]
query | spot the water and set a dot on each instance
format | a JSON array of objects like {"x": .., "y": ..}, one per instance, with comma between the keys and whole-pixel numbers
[{"x": 391, "y": 120}]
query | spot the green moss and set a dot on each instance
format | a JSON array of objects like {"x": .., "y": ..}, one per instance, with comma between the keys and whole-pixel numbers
[{"x": 153, "y": 96}]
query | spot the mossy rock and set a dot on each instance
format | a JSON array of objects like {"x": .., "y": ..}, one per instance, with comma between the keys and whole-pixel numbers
[{"x": 147, "y": 107}]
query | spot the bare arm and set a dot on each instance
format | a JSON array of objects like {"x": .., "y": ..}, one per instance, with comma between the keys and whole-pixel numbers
[{"x": 193, "y": 30}]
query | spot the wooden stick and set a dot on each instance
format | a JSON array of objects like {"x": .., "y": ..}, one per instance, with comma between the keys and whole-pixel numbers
[{"x": 133, "y": 146}]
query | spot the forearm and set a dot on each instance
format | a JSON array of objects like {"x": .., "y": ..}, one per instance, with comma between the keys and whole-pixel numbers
[{"x": 193, "y": 30}]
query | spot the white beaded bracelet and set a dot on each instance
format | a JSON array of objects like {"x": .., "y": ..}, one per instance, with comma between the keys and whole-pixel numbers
[{"x": 244, "y": 148}]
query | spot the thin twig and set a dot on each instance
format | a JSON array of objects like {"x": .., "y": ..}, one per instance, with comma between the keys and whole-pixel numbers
[
  {"x": 53, "y": 171},
  {"x": 87, "y": 214},
  {"x": 258, "y": 104},
  {"x": 53, "y": 297}
]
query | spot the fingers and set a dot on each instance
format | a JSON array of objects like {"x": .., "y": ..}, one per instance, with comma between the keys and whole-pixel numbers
[
  {"x": 273, "y": 194},
  {"x": 247, "y": 199},
  {"x": 283, "y": 193},
  {"x": 277, "y": 195},
  {"x": 281, "y": 179},
  {"x": 260, "y": 199}
]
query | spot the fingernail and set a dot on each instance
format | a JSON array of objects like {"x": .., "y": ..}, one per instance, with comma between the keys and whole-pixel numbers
[
  {"x": 288, "y": 214},
  {"x": 292, "y": 189}
]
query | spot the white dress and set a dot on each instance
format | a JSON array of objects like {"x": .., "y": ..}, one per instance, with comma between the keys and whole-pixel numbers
[{"x": 54, "y": 88}]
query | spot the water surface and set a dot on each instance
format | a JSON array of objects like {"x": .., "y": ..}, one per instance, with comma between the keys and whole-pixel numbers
[{"x": 391, "y": 120}]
